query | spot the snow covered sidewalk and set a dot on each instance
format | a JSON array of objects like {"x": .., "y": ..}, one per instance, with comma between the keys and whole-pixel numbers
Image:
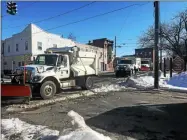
[{"x": 19, "y": 130}]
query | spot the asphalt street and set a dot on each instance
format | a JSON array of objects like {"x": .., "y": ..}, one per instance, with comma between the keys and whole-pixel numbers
[
  {"x": 138, "y": 115},
  {"x": 143, "y": 115}
]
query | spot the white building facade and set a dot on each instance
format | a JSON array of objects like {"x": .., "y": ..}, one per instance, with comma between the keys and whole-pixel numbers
[{"x": 24, "y": 46}]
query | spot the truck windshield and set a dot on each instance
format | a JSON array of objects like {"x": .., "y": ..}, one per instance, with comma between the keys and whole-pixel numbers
[
  {"x": 125, "y": 62},
  {"x": 144, "y": 62},
  {"x": 49, "y": 60}
]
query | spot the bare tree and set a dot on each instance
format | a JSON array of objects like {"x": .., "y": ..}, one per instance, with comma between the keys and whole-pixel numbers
[
  {"x": 183, "y": 17},
  {"x": 72, "y": 37},
  {"x": 173, "y": 34},
  {"x": 147, "y": 38}
]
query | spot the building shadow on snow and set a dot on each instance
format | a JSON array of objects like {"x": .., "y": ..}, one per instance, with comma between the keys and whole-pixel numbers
[{"x": 150, "y": 122}]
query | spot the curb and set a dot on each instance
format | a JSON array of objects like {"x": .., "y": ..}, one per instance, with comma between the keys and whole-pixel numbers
[
  {"x": 173, "y": 90},
  {"x": 21, "y": 107}
]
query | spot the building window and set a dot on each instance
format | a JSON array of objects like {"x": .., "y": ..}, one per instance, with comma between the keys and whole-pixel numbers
[
  {"x": 109, "y": 57},
  {"x": 5, "y": 63},
  {"x": 23, "y": 63},
  {"x": 149, "y": 53},
  {"x": 54, "y": 45},
  {"x": 101, "y": 53},
  {"x": 26, "y": 45},
  {"x": 17, "y": 48},
  {"x": 8, "y": 48},
  {"x": 39, "y": 44},
  {"x": 19, "y": 64},
  {"x": 3, "y": 45}
]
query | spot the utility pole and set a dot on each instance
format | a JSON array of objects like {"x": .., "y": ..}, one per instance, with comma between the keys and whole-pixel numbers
[
  {"x": 156, "y": 6},
  {"x": 161, "y": 47},
  {"x": 115, "y": 46}
]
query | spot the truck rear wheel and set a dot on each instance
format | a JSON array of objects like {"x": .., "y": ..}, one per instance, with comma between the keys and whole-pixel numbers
[
  {"x": 48, "y": 89},
  {"x": 88, "y": 83}
]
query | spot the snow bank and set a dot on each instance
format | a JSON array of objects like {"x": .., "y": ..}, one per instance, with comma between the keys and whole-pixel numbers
[
  {"x": 108, "y": 88},
  {"x": 82, "y": 131},
  {"x": 17, "y": 129},
  {"x": 179, "y": 80},
  {"x": 143, "y": 82}
]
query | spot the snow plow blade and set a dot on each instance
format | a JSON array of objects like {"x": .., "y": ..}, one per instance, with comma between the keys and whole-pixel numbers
[{"x": 10, "y": 90}]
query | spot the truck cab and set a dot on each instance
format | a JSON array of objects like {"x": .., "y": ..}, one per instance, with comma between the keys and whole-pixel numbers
[{"x": 127, "y": 66}]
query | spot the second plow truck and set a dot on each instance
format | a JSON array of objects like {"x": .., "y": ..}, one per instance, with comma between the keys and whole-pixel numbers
[
  {"x": 127, "y": 66},
  {"x": 60, "y": 68}
]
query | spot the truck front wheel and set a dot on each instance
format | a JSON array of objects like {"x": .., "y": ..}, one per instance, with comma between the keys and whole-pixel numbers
[
  {"x": 88, "y": 83},
  {"x": 48, "y": 90}
]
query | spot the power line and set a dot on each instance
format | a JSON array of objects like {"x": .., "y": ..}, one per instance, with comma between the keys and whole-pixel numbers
[
  {"x": 128, "y": 17},
  {"x": 49, "y": 18},
  {"x": 126, "y": 20},
  {"x": 86, "y": 19},
  {"x": 89, "y": 18}
]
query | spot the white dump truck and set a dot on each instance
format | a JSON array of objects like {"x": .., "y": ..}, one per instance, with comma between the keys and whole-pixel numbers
[
  {"x": 60, "y": 68},
  {"x": 127, "y": 66}
]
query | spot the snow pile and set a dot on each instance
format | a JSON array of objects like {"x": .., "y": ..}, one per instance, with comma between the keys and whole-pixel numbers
[
  {"x": 143, "y": 82},
  {"x": 82, "y": 131},
  {"x": 17, "y": 129},
  {"x": 178, "y": 80},
  {"x": 108, "y": 88}
]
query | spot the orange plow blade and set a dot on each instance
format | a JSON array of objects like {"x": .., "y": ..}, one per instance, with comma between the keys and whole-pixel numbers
[{"x": 15, "y": 90}]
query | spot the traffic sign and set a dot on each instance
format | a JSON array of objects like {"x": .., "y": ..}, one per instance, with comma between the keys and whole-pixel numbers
[{"x": 178, "y": 64}]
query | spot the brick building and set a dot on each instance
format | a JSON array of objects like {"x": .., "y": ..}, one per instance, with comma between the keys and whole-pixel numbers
[
  {"x": 107, "y": 46},
  {"x": 144, "y": 53}
]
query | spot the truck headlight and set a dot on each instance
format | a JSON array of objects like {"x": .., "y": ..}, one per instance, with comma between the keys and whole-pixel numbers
[
  {"x": 127, "y": 68},
  {"x": 37, "y": 78}
]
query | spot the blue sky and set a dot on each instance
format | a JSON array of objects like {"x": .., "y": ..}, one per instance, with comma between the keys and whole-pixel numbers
[{"x": 127, "y": 25}]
